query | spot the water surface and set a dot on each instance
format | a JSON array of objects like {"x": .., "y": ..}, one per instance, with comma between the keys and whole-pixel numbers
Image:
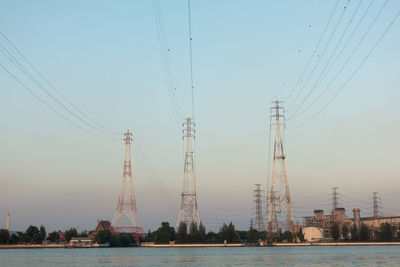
[{"x": 247, "y": 256}]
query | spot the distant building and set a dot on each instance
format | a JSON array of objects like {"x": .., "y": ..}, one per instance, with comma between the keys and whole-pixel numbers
[
  {"x": 325, "y": 222},
  {"x": 312, "y": 234},
  {"x": 339, "y": 217},
  {"x": 101, "y": 226},
  {"x": 80, "y": 242}
]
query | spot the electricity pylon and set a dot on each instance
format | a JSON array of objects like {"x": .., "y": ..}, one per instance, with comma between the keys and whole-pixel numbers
[
  {"x": 126, "y": 200},
  {"x": 279, "y": 194},
  {"x": 189, "y": 212},
  {"x": 258, "y": 194}
]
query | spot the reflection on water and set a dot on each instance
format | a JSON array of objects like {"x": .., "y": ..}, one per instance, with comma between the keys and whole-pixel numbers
[{"x": 265, "y": 256}]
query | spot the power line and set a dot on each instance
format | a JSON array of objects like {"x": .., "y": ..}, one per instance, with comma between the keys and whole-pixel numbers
[
  {"x": 321, "y": 54},
  {"x": 354, "y": 72},
  {"x": 50, "y": 107},
  {"x": 53, "y": 87},
  {"x": 318, "y": 80},
  {"x": 314, "y": 51},
  {"x": 162, "y": 40},
  {"x": 19, "y": 66},
  {"x": 191, "y": 56},
  {"x": 340, "y": 53}
]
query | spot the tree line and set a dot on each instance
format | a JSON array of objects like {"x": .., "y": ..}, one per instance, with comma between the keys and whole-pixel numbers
[{"x": 385, "y": 233}]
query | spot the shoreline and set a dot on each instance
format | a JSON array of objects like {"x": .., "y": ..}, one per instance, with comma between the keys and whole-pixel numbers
[{"x": 34, "y": 246}]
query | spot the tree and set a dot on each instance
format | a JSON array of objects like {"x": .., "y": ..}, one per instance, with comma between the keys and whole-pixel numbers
[
  {"x": 103, "y": 237},
  {"x": 70, "y": 233},
  {"x": 251, "y": 235},
  {"x": 181, "y": 235},
  {"x": 32, "y": 235},
  {"x": 355, "y": 235},
  {"x": 345, "y": 232},
  {"x": 386, "y": 232},
  {"x": 42, "y": 233},
  {"x": 231, "y": 232},
  {"x": 14, "y": 239},
  {"x": 223, "y": 232},
  {"x": 125, "y": 240},
  {"x": 53, "y": 237},
  {"x": 165, "y": 233},
  {"x": 335, "y": 232},
  {"x": 364, "y": 233},
  {"x": 288, "y": 236},
  {"x": 193, "y": 232},
  {"x": 300, "y": 235},
  {"x": 4, "y": 236},
  {"x": 202, "y": 233},
  {"x": 212, "y": 237}
]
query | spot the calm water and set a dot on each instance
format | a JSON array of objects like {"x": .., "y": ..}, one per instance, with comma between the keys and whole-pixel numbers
[{"x": 262, "y": 256}]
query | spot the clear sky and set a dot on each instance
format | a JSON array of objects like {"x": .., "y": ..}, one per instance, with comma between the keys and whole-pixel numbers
[{"x": 105, "y": 58}]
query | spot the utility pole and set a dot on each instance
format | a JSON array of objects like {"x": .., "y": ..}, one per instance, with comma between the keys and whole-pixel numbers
[
  {"x": 126, "y": 200},
  {"x": 376, "y": 204},
  {"x": 189, "y": 212},
  {"x": 258, "y": 194},
  {"x": 279, "y": 194},
  {"x": 334, "y": 198}
]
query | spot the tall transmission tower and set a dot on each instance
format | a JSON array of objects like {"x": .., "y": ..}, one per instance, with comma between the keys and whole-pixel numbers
[
  {"x": 334, "y": 198},
  {"x": 279, "y": 194},
  {"x": 189, "y": 212},
  {"x": 258, "y": 195},
  {"x": 126, "y": 206},
  {"x": 377, "y": 204}
]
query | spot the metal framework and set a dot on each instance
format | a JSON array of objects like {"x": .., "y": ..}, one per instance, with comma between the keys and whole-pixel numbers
[
  {"x": 258, "y": 195},
  {"x": 377, "y": 204},
  {"x": 126, "y": 205},
  {"x": 189, "y": 212},
  {"x": 279, "y": 194},
  {"x": 335, "y": 202}
]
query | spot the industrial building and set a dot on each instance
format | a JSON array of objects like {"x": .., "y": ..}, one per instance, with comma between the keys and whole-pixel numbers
[{"x": 319, "y": 226}]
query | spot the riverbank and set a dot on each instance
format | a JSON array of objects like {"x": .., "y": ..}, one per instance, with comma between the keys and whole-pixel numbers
[
  {"x": 152, "y": 245},
  {"x": 337, "y": 244}
]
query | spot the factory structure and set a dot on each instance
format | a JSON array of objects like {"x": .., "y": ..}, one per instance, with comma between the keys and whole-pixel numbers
[{"x": 319, "y": 226}]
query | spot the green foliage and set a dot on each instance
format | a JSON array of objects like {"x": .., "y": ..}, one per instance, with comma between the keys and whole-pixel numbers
[
  {"x": 70, "y": 233},
  {"x": 193, "y": 232},
  {"x": 336, "y": 232},
  {"x": 42, "y": 233},
  {"x": 14, "y": 239},
  {"x": 251, "y": 235},
  {"x": 364, "y": 233},
  {"x": 355, "y": 235},
  {"x": 300, "y": 235},
  {"x": 202, "y": 233},
  {"x": 103, "y": 237},
  {"x": 287, "y": 236},
  {"x": 53, "y": 237},
  {"x": 212, "y": 237},
  {"x": 181, "y": 235},
  {"x": 345, "y": 232},
  {"x": 386, "y": 232},
  {"x": 4, "y": 236},
  {"x": 31, "y": 235}
]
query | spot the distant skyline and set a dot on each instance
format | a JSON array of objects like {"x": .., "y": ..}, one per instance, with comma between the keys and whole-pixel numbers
[{"x": 104, "y": 56}]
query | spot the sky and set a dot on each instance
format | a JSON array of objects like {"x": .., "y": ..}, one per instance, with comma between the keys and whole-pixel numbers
[{"x": 105, "y": 58}]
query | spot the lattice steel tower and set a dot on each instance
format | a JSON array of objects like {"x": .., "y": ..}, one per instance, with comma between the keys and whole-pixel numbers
[
  {"x": 258, "y": 195},
  {"x": 126, "y": 205},
  {"x": 189, "y": 212},
  {"x": 376, "y": 204},
  {"x": 279, "y": 194}
]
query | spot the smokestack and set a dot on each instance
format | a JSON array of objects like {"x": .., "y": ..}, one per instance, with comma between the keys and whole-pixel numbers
[
  {"x": 356, "y": 217},
  {"x": 8, "y": 222}
]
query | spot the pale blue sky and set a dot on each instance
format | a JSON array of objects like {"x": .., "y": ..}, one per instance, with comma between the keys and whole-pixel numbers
[{"x": 104, "y": 57}]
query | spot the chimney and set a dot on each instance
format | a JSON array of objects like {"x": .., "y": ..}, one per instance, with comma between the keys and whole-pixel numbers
[
  {"x": 356, "y": 217},
  {"x": 8, "y": 222}
]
